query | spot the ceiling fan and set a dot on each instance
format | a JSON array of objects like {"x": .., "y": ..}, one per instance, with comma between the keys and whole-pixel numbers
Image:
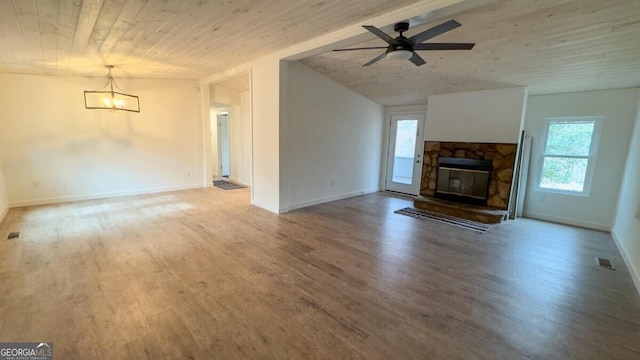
[{"x": 405, "y": 48}]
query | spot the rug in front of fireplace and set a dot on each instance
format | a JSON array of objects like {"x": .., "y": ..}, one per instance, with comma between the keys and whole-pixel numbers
[{"x": 444, "y": 219}]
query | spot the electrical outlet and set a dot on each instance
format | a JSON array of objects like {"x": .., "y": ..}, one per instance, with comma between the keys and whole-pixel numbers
[
  {"x": 36, "y": 183},
  {"x": 333, "y": 182},
  {"x": 188, "y": 173}
]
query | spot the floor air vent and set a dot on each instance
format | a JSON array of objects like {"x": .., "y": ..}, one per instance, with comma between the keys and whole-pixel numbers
[
  {"x": 13, "y": 235},
  {"x": 605, "y": 263}
]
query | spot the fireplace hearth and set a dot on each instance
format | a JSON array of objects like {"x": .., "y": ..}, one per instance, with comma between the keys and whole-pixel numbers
[{"x": 464, "y": 180}]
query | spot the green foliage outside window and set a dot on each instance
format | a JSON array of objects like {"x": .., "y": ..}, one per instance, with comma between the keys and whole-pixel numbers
[
  {"x": 563, "y": 173},
  {"x": 566, "y": 155},
  {"x": 406, "y": 138},
  {"x": 572, "y": 139}
]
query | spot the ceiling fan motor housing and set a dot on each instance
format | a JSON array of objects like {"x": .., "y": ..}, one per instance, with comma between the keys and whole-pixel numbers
[
  {"x": 400, "y": 46},
  {"x": 402, "y": 42},
  {"x": 401, "y": 27}
]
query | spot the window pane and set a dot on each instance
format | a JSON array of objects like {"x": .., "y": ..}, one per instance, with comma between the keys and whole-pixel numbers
[
  {"x": 563, "y": 173},
  {"x": 404, "y": 152},
  {"x": 406, "y": 138},
  {"x": 572, "y": 138}
]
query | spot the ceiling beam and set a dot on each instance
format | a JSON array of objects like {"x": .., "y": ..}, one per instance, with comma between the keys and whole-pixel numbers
[
  {"x": 87, "y": 21},
  {"x": 349, "y": 34}
]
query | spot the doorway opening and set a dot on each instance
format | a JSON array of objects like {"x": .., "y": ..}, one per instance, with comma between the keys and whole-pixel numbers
[{"x": 229, "y": 152}]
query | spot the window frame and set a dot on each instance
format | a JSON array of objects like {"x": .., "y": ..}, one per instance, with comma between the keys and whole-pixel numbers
[{"x": 591, "y": 157}]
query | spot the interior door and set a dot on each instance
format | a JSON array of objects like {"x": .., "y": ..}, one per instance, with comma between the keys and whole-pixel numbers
[
  {"x": 223, "y": 140},
  {"x": 404, "y": 154}
]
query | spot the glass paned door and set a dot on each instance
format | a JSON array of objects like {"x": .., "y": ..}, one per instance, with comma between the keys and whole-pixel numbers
[{"x": 404, "y": 162}]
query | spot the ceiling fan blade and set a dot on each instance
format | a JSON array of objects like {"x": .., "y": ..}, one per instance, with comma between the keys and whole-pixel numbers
[
  {"x": 434, "y": 31},
  {"x": 444, "y": 46},
  {"x": 379, "y": 33},
  {"x": 362, "y": 48},
  {"x": 376, "y": 59},
  {"x": 417, "y": 60}
]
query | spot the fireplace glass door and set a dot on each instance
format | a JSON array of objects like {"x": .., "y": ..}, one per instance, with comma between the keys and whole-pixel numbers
[
  {"x": 462, "y": 179},
  {"x": 404, "y": 163}
]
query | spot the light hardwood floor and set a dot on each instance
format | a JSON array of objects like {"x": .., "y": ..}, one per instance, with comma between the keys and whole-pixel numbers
[{"x": 201, "y": 274}]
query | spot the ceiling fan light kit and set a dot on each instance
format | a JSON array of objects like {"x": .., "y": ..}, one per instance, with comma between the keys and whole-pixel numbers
[
  {"x": 403, "y": 48},
  {"x": 400, "y": 55},
  {"x": 109, "y": 99}
]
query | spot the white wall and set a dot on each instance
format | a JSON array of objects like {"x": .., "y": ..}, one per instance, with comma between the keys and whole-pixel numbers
[
  {"x": 55, "y": 150},
  {"x": 618, "y": 108},
  {"x": 235, "y": 142},
  {"x": 626, "y": 226},
  {"x": 213, "y": 159},
  {"x": 206, "y": 132},
  {"x": 266, "y": 80},
  {"x": 4, "y": 200},
  {"x": 222, "y": 96},
  {"x": 245, "y": 104},
  {"x": 333, "y": 140},
  {"x": 492, "y": 116}
]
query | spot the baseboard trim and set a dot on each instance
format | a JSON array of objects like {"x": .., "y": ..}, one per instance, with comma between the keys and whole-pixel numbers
[
  {"x": 71, "y": 198},
  {"x": 633, "y": 271},
  {"x": 327, "y": 199},
  {"x": 265, "y": 207},
  {"x": 4, "y": 212},
  {"x": 566, "y": 221}
]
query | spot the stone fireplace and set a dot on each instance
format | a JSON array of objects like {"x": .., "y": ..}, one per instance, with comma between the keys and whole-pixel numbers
[{"x": 500, "y": 157}]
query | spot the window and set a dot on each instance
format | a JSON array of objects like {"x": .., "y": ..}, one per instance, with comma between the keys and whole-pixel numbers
[{"x": 567, "y": 154}]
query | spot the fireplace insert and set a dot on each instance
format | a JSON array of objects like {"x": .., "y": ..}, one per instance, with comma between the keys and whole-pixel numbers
[{"x": 465, "y": 180}]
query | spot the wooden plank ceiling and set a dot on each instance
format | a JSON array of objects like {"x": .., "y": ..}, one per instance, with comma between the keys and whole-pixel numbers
[
  {"x": 163, "y": 38},
  {"x": 550, "y": 46}
]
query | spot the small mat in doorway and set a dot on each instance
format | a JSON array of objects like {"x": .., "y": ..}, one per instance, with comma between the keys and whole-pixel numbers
[
  {"x": 227, "y": 185},
  {"x": 444, "y": 219}
]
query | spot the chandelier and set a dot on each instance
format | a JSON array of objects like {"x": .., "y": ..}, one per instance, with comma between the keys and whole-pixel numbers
[{"x": 109, "y": 99}]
